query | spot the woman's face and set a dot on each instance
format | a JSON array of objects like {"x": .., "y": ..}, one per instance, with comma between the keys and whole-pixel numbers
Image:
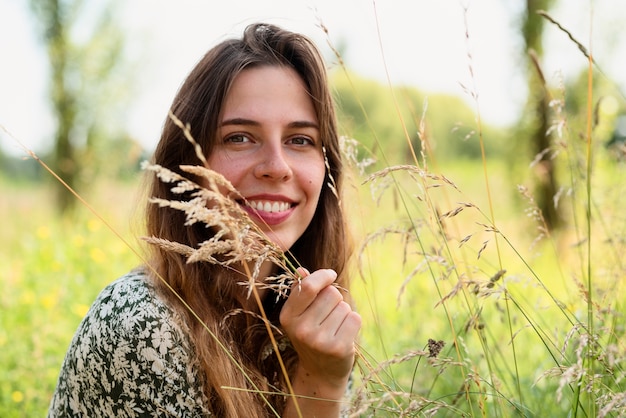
[{"x": 269, "y": 147}]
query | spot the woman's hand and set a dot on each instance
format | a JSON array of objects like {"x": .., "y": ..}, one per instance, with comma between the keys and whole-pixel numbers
[{"x": 322, "y": 328}]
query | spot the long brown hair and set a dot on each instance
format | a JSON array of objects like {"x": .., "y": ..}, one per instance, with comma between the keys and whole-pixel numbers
[{"x": 210, "y": 290}]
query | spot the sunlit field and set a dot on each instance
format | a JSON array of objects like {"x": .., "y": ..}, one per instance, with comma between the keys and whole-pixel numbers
[
  {"x": 472, "y": 305},
  {"x": 515, "y": 328},
  {"x": 52, "y": 271},
  {"x": 512, "y": 303}
]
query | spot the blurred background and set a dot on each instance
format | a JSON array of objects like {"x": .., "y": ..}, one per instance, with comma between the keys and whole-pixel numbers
[
  {"x": 86, "y": 85},
  {"x": 130, "y": 57},
  {"x": 83, "y": 80}
]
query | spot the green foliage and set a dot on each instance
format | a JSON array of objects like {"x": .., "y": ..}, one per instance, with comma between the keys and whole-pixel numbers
[
  {"x": 532, "y": 322},
  {"x": 52, "y": 269},
  {"x": 20, "y": 170},
  {"x": 608, "y": 104},
  {"x": 123, "y": 158},
  {"x": 381, "y": 118},
  {"x": 88, "y": 85},
  {"x": 509, "y": 303},
  {"x": 516, "y": 343}
]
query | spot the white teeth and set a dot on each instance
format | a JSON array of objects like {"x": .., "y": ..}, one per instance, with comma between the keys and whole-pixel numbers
[{"x": 267, "y": 206}]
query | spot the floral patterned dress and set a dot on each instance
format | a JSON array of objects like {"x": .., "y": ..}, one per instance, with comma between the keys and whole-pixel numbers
[{"x": 130, "y": 357}]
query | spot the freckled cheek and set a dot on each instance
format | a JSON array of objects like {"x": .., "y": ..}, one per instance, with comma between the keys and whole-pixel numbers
[
  {"x": 316, "y": 182},
  {"x": 230, "y": 169}
]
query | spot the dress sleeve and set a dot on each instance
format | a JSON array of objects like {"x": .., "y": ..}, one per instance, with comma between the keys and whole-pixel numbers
[{"x": 129, "y": 357}]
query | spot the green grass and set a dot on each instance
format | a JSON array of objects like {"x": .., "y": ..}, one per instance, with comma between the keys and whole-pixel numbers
[
  {"x": 507, "y": 342},
  {"x": 52, "y": 271},
  {"x": 516, "y": 345}
]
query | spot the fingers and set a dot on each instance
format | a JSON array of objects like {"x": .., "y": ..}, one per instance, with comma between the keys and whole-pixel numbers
[
  {"x": 305, "y": 292},
  {"x": 336, "y": 334},
  {"x": 316, "y": 313},
  {"x": 322, "y": 307},
  {"x": 344, "y": 320},
  {"x": 350, "y": 327},
  {"x": 321, "y": 326}
]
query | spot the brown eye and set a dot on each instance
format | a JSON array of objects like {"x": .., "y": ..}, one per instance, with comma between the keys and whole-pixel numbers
[
  {"x": 236, "y": 139},
  {"x": 301, "y": 140}
]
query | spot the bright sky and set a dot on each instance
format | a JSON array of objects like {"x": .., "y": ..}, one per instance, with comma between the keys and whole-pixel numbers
[{"x": 424, "y": 44}]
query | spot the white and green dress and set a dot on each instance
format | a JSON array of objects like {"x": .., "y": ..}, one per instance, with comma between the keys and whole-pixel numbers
[{"x": 130, "y": 357}]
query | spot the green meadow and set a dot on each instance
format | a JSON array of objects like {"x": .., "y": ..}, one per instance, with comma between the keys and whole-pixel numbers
[
  {"x": 522, "y": 322},
  {"x": 52, "y": 269},
  {"x": 488, "y": 262},
  {"x": 531, "y": 321}
]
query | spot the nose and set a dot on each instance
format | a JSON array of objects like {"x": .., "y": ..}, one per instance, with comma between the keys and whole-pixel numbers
[{"x": 273, "y": 163}]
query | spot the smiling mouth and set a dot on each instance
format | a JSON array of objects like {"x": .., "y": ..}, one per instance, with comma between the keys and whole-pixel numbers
[{"x": 268, "y": 206}]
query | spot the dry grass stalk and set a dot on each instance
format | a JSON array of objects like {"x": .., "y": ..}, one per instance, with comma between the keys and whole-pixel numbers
[
  {"x": 350, "y": 151},
  {"x": 411, "y": 169},
  {"x": 237, "y": 239},
  {"x": 382, "y": 233},
  {"x": 580, "y": 46},
  {"x": 413, "y": 405}
]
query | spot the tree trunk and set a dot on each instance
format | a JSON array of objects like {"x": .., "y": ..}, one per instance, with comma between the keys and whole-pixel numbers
[
  {"x": 64, "y": 162},
  {"x": 53, "y": 16},
  {"x": 538, "y": 106}
]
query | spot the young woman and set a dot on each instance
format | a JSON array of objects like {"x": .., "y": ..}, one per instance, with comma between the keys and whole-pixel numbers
[{"x": 185, "y": 339}]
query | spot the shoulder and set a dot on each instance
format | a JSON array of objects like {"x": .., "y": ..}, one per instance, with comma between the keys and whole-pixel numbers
[
  {"x": 128, "y": 303},
  {"x": 125, "y": 310},
  {"x": 130, "y": 356}
]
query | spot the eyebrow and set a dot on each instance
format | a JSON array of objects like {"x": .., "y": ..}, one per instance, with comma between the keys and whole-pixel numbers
[{"x": 250, "y": 122}]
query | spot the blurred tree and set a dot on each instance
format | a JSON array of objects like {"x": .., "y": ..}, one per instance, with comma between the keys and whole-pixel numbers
[
  {"x": 368, "y": 114},
  {"x": 85, "y": 50},
  {"x": 537, "y": 122},
  {"x": 609, "y": 118}
]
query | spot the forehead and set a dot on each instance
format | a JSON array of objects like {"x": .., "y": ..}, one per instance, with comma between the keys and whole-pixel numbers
[{"x": 269, "y": 91}]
